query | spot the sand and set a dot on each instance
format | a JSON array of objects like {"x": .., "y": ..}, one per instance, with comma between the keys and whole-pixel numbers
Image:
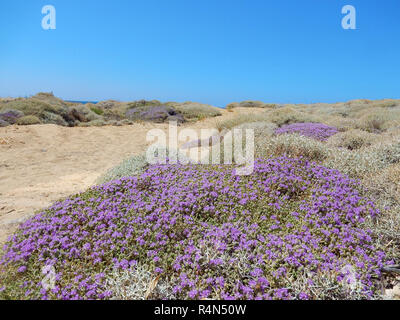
[{"x": 40, "y": 164}]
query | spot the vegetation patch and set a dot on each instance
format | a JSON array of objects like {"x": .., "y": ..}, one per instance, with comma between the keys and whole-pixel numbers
[
  {"x": 202, "y": 232},
  {"x": 28, "y": 120},
  {"x": 251, "y": 104},
  {"x": 318, "y": 131},
  {"x": 50, "y": 109}
]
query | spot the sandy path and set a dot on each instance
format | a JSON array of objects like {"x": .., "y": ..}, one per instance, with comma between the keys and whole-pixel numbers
[{"x": 40, "y": 164}]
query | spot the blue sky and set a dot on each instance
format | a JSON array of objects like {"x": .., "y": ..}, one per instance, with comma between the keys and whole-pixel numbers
[{"x": 216, "y": 52}]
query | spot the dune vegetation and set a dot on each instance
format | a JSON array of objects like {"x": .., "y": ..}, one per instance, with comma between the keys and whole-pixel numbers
[
  {"x": 46, "y": 108},
  {"x": 319, "y": 217}
]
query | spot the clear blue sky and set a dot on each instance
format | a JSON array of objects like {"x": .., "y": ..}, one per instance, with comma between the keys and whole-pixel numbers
[{"x": 219, "y": 51}]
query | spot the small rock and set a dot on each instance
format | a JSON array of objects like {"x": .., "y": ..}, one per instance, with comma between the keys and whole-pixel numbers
[{"x": 393, "y": 293}]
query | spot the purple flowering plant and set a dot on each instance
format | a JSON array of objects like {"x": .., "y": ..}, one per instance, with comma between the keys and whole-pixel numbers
[
  {"x": 318, "y": 131},
  {"x": 205, "y": 231}
]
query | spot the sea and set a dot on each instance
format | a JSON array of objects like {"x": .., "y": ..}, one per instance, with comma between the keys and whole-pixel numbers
[{"x": 83, "y": 102}]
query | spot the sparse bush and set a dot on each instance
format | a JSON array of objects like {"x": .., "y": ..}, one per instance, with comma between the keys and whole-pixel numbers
[
  {"x": 157, "y": 114},
  {"x": 3, "y": 123},
  {"x": 250, "y": 104},
  {"x": 34, "y": 107},
  {"x": 136, "y": 164},
  {"x": 385, "y": 184},
  {"x": 49, "y": 117},
  {"x": 231, "y": 106},
  {"x": 389, "y": 153},
  {"x": 342, "y": 124},
  {"x": 288, "y": 115},
  {"x": 116, "y": 113},
  {"x": 264, "y": 128},
  {"x": 386, "y": 103},
  {"x": 374, "y": 120},
  {"x": 291, "y": 145},
  {"x": 196, "y": 111},
  {"x": 143, "y": 103},
  {"x": 84, "y": 114},
  {"x": 126, "y": 122},
  {"x": 49, "y": 98},
  {"x": 353, "y": 139},
  {"x": 10, "y": 116},
  {"x": 384, "y": 188},
  {"x": 230, "y": 123},
  {"x": 96, "y": 110},
  {"x": 130, "y": 167},
  {"x": 355, "y": 164},
  {"x": 97, "y": 123},
  {"x": 28, "y": 120},
  {"x": 107, "y": 104}
]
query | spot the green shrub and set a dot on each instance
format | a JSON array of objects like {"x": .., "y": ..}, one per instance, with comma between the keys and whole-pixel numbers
[
  {"x": 35, "y": 107},
  {"x": 195, "y": 111},
  {"x": 143, "y": 103},
  {"x": 88, "y": 114},
  {"x": 27, "y": 120},
  {"x": 96, "y": 110},
  {"x": 49, "y": 98},
  {"x": 49, "y": 117},
  {"x": 96, "y": 123},
  {"x": 4, "y": 123},
  {"x": 107, "y": 104},
  {"x": 10, "y": 115},
  {"x": 93, "y": 123},
  {"x": 116, "y": 113}
]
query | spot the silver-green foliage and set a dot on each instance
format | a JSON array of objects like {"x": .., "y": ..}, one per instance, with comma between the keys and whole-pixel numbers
[{"x": 129, "y": 167}]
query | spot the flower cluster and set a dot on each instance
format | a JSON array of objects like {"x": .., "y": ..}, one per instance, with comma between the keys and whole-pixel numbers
[
  {"x": 318, "y": 131},
  {"x": 204, "y": 231}
]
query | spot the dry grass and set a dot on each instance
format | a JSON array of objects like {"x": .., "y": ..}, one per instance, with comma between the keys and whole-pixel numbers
[
  {"x": 250, "y": 104},
  {"x": 230, "y": 123},
  {"x": 291, "y": 114},
  {"x": 292, "y": 145},
  {"x": 352, "y": 139}
]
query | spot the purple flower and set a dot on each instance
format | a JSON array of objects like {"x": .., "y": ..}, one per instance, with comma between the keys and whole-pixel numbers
[
  {"x": 318, "y": 131},
  {"x": 205, "y": 232},
  {"x": 22, "y": 269}
]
